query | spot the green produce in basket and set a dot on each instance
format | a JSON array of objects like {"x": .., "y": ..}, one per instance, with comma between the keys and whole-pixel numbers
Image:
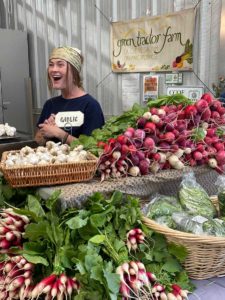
[
  {"x": 194, "y": 199},
  {"x": 214, "y": 227},
  {"x": 163, "y": 205},
  {"x": 220, "y": 182}
]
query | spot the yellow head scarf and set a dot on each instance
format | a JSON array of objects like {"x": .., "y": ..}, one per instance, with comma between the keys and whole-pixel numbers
[{"x": 69, "y": 54}]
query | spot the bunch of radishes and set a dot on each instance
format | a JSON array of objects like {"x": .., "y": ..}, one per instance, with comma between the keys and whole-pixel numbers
[
  {"x": 137, "y": 283},
  {"x": 15, "y": 278},
  {"x": 55, "y": 287},
  {"x": 168, "y": 137},
  {"x": 134, "y": 237},
  {"x": 12, "y": 226}
]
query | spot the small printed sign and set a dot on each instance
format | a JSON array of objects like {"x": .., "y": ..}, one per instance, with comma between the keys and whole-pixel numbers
[
  {"x": 69, "y": 119},
  {"x": 174, "y": 78},
  {"x": 150, "y": 87},
  {"x": 193, "y": 93}
]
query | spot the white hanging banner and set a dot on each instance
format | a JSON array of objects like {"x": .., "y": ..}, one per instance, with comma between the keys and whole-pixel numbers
[{"x": 160, "y": 43}]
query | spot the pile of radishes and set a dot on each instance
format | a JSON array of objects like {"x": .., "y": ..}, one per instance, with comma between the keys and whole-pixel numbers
[
  {"x": 16, "y": 273},
  {"x": 137, "y": 283},
  {"x": 12, "y": 227},
  {"x": 135, "y": 237},
  {"x": 55, "y": 287},
  {"x": 15, "y": 278},
  {"x": 168, "y": 137}
]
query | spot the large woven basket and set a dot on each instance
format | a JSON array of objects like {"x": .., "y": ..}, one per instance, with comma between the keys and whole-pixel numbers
[
  {"x": 206, "y": 254},
  {"x": 49, "y": 174}
]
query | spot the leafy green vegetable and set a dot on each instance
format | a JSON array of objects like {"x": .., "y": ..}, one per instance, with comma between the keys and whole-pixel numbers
[
  {"x": 113, "y": 127},
  {"x": 90, "y": 243},
  {"x": 169, "y": 100}
]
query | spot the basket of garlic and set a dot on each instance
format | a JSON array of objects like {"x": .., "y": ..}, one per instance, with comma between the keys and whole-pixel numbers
[{"x": 53, "y": 164}]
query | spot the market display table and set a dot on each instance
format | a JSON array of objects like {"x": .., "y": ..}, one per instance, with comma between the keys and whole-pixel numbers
[
  {"x": 209, "y": 289},
  {"x": 166, "y": 182}
]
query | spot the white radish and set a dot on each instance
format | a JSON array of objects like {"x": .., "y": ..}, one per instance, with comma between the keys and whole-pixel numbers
[{"x": 212, "y": 163}]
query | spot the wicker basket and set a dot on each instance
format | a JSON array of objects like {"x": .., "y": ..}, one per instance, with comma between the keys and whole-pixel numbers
[
  {"x": 49, "y": 174},
  {"x": 206, "y": 254}
]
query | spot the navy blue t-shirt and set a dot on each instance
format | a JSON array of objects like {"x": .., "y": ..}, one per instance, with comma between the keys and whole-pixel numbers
[{"x": 85, "y": 109}]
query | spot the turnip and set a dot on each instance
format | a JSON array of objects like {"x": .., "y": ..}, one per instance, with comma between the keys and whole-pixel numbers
[
  {"x": 155, "y": 119},
  {"x": 147, "y": 115},
  {"x": 134, "y": 171},
  {"x": 154, "y": 167}
]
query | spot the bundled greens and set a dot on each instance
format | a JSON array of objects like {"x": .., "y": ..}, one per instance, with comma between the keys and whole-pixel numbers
[
  {"x": 194, "y": 198},
  {"x": 88, "y": 245}
]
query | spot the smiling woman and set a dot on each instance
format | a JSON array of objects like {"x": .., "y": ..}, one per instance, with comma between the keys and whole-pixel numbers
[{"x": 74, "y": 112}]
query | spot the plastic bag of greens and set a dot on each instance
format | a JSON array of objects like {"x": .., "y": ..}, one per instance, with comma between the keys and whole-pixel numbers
[
  {"x": 214, "y": 227},
  {"x": 194, "y": 199},
  {"x": 188, "y": 223},
  {"x": 161, "y": 205},
  {"x": 166, "y": 221},
  {"x": 220, "y": 183}
]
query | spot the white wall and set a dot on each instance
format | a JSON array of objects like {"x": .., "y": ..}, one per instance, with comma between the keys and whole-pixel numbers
[
  {"x": 222, "y": 42},
  {"x": 86, "y": 24}
]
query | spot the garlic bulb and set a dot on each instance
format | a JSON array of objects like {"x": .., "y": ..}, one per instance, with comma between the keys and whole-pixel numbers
[
  {"x": 51, "y": 154},
  {"x": 5, "y": 129},
  {"x": 9, "y": 130}
]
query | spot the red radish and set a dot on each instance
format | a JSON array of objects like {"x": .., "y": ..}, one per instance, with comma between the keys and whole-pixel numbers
[
  {"x": 220, "y": 157},
  {"x": 139, "y": 134},
  {"x": 206, "y": 114},
  {"x": 5, "y": 244},
  {"x": 124, "y": 149},
  {"x": 149, "y": 143},
  {"x": 215, "y": 115},
  {"x": 124, "y": 290},
  {"x": 151, "y": 277},
  {"x": 150, "y": 127},
  {"x": 132, "y": 149},
  {"x": 201, "y": 105},
  {"x": 190, "y": 111},
  {"x": 169, "y": 137},
  {"x": 154, "y": 111},
  {"x": 197, "y": 155},
  {"x": 208, "y": 97},
  {"x": 144, "y": 167},
  {"x": 218, "y": 146},
  {"x": 122, "y": 139},
  {"x": 141, "y": 122}
]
